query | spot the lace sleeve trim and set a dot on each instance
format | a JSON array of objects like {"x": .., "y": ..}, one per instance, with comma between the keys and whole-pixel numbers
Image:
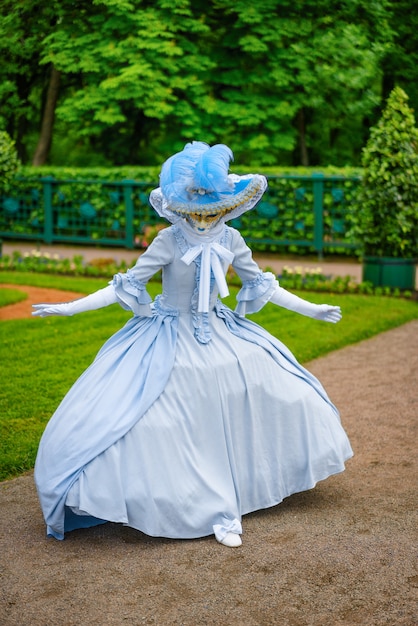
[
  {"x": 132, "y": 293},
  {"x": 254, "y": 294}
]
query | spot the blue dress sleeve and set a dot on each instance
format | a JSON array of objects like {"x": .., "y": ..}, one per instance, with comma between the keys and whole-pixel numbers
[
  {"x": 130, "y": 287},
  {"x": 257, "y": 286}
]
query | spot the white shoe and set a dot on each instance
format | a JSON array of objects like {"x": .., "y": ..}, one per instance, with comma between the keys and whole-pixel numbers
[{"x": 231, "y": 540}]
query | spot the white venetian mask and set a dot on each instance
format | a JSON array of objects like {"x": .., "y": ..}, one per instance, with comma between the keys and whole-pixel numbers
[{"x": 203, "y": 222}]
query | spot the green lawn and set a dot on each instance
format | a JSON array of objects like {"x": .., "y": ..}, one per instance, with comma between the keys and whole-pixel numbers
[
  {"x": 10, "y": 296},
  {"x": 41, "y": 358}
]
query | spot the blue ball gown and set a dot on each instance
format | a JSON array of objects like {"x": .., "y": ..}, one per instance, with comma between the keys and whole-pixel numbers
[{"x": 187, "y": 420}]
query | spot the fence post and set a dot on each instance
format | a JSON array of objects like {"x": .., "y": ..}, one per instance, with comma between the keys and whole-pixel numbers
[
  {"x": 318, "y": 193},
  {"x": 48, "y": 222},
  {"x": 129, "y": 213}
]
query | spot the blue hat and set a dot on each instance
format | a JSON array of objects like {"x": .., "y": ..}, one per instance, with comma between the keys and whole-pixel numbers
[{"x": 196, "y": 180}]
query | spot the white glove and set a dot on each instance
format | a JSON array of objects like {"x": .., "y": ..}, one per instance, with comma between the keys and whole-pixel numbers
[
  {"x": 324, "y": 312},
  {"x": 96, "y": 300}
]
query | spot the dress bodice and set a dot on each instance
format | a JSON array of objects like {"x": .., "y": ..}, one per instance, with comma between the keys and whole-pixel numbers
[
  {"x": 179, "y": 285},
  {"x": 181, "y": 276}
]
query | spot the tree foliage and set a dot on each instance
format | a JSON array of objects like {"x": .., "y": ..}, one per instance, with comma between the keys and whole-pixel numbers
[{"x": 283, "y": 81}]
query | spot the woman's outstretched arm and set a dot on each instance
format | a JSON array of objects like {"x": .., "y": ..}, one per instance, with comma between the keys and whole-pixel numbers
[{"x": 96, "y": 300}]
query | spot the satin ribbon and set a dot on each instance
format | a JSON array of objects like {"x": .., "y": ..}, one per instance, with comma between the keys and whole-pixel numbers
[
  {"x": 229, "y": 526},
  {"x": 212, "y": 256}
]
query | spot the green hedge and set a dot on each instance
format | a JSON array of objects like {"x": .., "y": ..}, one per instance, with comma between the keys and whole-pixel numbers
[
  {"x": 110, "y": 174},
  {"x": 150, "y": 174}
]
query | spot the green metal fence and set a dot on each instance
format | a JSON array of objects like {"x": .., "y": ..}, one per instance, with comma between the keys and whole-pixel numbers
[{"x": 311, "y": 212}]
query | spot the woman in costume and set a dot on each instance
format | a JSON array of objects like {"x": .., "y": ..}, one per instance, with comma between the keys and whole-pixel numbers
[{"x": 191, "y": 415}]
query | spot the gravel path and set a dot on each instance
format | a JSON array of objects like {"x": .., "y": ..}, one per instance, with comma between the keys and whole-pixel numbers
[{"x": 343, "y": 553}]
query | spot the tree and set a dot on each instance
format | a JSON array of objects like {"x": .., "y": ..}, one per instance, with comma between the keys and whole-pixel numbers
[
  {"x": 130, "y": 64},
  {"x": 45, "y": 138},
  {"x": 400, "y": 62},
  {"x": 285, "y": 81},
  {"x": 19, "y": 70},
  {"x": 257, "y": 77},
  {"x": 285, "y": 71}
]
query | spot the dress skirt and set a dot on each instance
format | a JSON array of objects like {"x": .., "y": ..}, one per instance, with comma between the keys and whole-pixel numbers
[{"x": 178, "y": 438}]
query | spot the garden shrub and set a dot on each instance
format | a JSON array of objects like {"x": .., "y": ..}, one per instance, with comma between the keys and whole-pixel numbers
[
  {"x": 386, "y": 215},
  {"x": 9, "y": 163}
]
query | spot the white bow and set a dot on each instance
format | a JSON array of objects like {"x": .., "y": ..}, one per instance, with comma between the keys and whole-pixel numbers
[{"x": 212, "y": 256}]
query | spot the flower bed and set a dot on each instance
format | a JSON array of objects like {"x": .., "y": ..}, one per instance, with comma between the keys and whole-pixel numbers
[{"x": 298, "y": 278}]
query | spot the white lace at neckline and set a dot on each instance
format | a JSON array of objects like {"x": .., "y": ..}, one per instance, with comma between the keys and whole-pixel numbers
[{"x": 194, "y": 238}]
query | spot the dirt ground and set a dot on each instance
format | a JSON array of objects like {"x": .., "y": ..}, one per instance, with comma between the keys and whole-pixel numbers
[
  {"x": 35, "y": 295},
  {"x": 344, "y": 553}
]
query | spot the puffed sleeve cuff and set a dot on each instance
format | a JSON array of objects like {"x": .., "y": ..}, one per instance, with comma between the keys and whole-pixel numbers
[
  {"x": 132, "y": 294},
  {"x": 254, "y": 294}
]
